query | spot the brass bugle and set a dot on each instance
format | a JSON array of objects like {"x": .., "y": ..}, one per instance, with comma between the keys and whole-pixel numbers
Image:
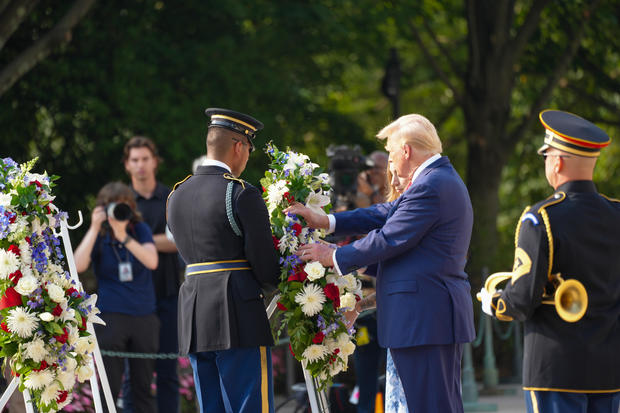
[{"x": 570, "y": 297}]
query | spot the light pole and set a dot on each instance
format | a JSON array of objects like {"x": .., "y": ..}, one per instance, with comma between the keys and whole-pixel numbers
[{"x": 390, "y": 85}]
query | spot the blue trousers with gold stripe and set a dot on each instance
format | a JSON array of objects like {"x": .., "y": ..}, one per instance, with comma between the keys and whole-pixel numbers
[
  {"x": 564, "y": 402},
  {"x": 237, "y": 380}
]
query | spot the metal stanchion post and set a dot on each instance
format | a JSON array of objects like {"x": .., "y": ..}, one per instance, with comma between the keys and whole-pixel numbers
[
  {"x": 518, "y": 356},
  {"x": 489, "y": 373}
]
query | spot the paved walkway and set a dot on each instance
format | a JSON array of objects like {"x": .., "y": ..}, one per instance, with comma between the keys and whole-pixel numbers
[{"x": 509, "y": 399}]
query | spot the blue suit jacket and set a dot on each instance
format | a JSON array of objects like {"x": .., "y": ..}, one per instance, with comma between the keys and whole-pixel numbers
[{"x": 419, "y": 242}]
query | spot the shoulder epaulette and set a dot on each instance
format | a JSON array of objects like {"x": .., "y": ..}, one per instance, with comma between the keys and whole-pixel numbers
[
  {"x": 233, "y": 178},
  {"x": 552, "y": 200},
  {"x": 173, "y": 189},
  {"x": 610, "y": 199}
]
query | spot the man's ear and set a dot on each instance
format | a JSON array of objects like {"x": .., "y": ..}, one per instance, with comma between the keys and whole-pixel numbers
[{"x": 407, "y": 150}]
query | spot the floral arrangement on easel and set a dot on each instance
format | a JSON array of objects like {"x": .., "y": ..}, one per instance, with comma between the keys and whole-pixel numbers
[
  {"x": 312, "y": 299},
  {"x": 43, "y": 311}
]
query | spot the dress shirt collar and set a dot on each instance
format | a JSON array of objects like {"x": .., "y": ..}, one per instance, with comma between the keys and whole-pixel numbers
[
  {"x": 424, "y": 165},
  {"x": 215, "y": 162}
]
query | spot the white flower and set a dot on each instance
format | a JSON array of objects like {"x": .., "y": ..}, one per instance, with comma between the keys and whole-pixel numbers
[
  {"x": 324, "y": 178},
  {"x": 50, "y": 393},
  {"x": 56, "y": 293},
  {"x": 67, "y": 378},
  {"x": 342, "y": 339},
  {"x": 46, "y": 316},
  {"x": 68, "y": 313},
  {"x": 25, "y": 254},
  {"x": 36, "y": 350},
  {"x": 314, "y": 352},
  {"x": 307, "y": 168},
  {"x": 295, "y": 160},
  {"x": 275, "y": 193},
  {"x": 39, "y": 379},
  {"x": 311, "y": 299},
  {"x": 315, "y": 201},
  {"x": 22, "y": 322},
  {"x": 27, "y": 284},
  {"x": 347, "y": 301},
  {"x": 314, "y": 270},
  {"x": 84, "y": 345},
  {"x": 71, "y": 364},
  {"x": 5, "y": 200},
  {"x": 347, "y": 349},
  {"x": 9, "y": 263},
  {"x": 288, "y": 242},
  {"x": 335, "y": 368},
  {"x": 331, "y": 344},
  {"x": 84, "y": 373}
]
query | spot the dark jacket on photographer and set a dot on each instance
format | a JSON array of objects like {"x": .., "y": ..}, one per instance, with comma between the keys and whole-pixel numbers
[{"x": 222, "y": 309}]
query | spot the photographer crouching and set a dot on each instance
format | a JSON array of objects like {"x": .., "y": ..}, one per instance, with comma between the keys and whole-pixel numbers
[{"x": 121, "y": 249}]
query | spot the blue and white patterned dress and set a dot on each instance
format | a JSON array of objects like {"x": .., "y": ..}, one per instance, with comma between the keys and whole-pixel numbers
[{"x": 395, "y": 401}]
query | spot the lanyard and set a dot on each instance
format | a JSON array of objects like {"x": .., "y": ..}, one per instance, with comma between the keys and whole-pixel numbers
[{"x": 117, "y": 255}]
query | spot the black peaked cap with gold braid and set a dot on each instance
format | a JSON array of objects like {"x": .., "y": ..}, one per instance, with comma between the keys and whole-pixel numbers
[
  {"x": 235, "y": 121},
  {"x": 571, "y": 133}
]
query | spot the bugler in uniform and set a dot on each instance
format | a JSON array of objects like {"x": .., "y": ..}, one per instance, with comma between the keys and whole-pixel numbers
[
  {"x": 221, "y": 227},
  {"x": 571, "y": 361}
]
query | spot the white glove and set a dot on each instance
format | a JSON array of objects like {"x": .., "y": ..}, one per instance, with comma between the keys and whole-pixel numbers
[{"x": 485, "y": 297}]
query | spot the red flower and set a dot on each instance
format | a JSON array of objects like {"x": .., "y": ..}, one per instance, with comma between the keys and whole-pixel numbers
[
  {"x": 4, "y": 327},
  {"x": 15, "y": 276},
  {"x": 297, "y": 228},
  {"x": 299, "y": 275},
  {"x": 337, "y": 351},
  {"x": 83, "y": 326},
  {"x": 357, "y": 298},
  {"x": 47, "y": 209},
  {"x": 57, "y": 310},
  {"x": 43, "y": 365},
  {"x": 291, "y": 349},
  {"x": 62, "y": 338},
  {"x": 62, "y": 397},
  {"x": 318, "y": 338},
  {"x": 331, "y": 291},
  {"x": 11, "y": 298},
  {"x": 27, "y": 240},
  {"x": 281, "y": 306},
  {"x": 276, "y": 242},
  {"x": 37, "y": 183},
  {"x": 14, "y": 249},
  {"x": 71, "y": 291}
]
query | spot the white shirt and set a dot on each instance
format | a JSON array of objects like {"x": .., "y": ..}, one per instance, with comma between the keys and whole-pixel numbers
[
  {"x": 332, "y": 218},
  {"x": 215, "y": 162}
]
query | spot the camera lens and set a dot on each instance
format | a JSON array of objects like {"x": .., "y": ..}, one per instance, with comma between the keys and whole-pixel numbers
[{"x": 120, "y": 211}]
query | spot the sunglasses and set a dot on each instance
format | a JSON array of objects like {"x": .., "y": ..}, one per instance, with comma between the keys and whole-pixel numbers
[
  {"x": 544, "y": 155},
  {"x": 249, "y": 143}
]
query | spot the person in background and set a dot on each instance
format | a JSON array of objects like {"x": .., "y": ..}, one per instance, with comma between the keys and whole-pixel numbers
[
  {"x": 122, "y": 252},
  {"x": 141, "y": 161},
  {"x": 571, "y": 362}
]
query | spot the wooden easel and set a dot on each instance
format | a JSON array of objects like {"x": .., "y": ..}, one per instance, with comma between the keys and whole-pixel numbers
[{"x": 97, "y": 362}]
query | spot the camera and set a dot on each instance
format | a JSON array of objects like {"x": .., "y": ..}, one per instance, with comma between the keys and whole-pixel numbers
[
  {"x": 120, "y": 211},
  {"x": 345, "y": 163}
]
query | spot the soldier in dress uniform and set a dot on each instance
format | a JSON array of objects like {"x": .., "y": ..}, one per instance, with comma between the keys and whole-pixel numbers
[
  {"x": 221, "y": 227},
  {"x": 571, "y": 361}
]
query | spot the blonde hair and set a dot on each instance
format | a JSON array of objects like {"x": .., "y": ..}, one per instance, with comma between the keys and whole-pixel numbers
[
  {"x": 414, "y": 130},
  {"x": 391, "y": 194}
]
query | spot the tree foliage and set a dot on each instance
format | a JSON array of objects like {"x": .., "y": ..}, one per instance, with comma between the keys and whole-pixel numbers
[{"x": 311, "y": 71}]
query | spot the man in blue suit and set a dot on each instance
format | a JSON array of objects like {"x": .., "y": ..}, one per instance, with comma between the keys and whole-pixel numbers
[{"x": 419, "y": 243}]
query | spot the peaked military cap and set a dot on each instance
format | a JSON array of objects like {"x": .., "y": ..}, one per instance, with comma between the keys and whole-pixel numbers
[
  {"x": 571, "y": 133},
  {"x": 235, "y": 121}
]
